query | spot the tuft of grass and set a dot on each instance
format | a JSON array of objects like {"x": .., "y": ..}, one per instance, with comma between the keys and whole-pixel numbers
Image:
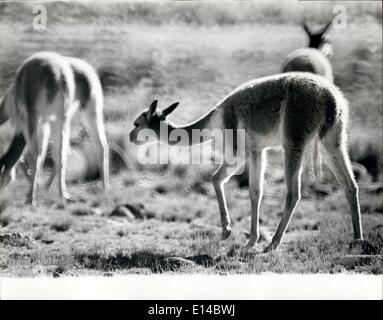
[
  {"x": 4, "y": 203},
  {"x": 38, "y": 235},
  {"x": 122, "y": 233},
  {"x": 199, "y": 188},
  {"x": 82, "y": 210},
  {"x": 368, "y": 153},
  {"x": 161, "y": 189},
  {"x": 5, "y": 220},
  {"x": 180, "y": 170},
  {"x": 155, "y": 261},
  {"x": 62, "y": 224}
]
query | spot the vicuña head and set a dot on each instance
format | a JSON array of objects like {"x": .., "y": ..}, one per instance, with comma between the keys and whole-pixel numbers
[
  {"x": 319, "y": 39},
  {"x": 151, "y": 119}
]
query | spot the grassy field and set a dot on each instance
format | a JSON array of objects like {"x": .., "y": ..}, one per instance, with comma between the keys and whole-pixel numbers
[{"x": 164, "y": 218}]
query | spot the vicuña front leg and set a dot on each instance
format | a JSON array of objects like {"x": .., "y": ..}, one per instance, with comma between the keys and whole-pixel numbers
[
  {"x": 61, "y": 148},
  {"x": 94, "y": 122},
  {"x": 220, "y": 177},
  {"x": 37, "y": 155},
  {"x": 256, "y": 175},
  {"x": 52, "y": 175},
  {"x": 293, "y": 164},
  {"x": 317, "y": 161}
]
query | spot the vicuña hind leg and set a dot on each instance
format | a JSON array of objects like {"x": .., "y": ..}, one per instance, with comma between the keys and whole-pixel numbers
[
  {"x": 62, "y": 143},
  {"x": 61, "y": 148},
  {"x": 220, "y": 177},
  {"x": 256, "y": 174},
  {"x": 52, "y": 175},
  {"x": 317, "y": 161},
  {"x": 340, "y": 165},
  {"x": 95, "y": 124},
  {"x": 37, "y": 153},
  {"x": 293, "y": 165}
]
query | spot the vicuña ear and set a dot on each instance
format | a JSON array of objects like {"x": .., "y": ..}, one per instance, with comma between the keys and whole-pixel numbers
[
  {"x": 326, "y": 27},
  {"x": 306, "y": 28},
  {"x": 170, "y": 109},
  {"x": 153, "y": 107}
]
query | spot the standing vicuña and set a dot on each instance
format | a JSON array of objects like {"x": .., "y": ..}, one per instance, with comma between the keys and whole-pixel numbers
[
  {"x": 313, "y": 59},
  {"x": 89, "y": 94},
  {"x": 286, "y": 109},
  {"x": 48, "y": 89}
]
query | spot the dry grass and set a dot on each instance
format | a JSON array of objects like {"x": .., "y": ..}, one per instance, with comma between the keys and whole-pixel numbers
[
  {"x": 61, "y": 224},
  {"x": 185, "y": 226},
  {"x": 197, "y": 59}
]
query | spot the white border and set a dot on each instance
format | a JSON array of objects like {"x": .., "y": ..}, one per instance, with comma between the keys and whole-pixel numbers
[{"x": 196, "y": 287}]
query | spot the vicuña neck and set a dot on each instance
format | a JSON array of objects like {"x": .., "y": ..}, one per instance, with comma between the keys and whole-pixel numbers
[{"x": 205, "y": 122}]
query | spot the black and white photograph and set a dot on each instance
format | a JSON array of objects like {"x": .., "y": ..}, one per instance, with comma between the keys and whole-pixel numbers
[{"x": 175, "y": 150}]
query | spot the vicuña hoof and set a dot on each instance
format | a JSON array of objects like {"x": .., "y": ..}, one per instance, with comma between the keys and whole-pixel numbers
[
  {"x": 67, "y": 198},
  {"x": 226, "y": 232},
  {"x": 271, "y": 247},
  {"x": 252, "y": 242},
  {"x": 358, "y": 241},
  {"x": 30, "y": 202},
  {"x": 365, "y": 246}
]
